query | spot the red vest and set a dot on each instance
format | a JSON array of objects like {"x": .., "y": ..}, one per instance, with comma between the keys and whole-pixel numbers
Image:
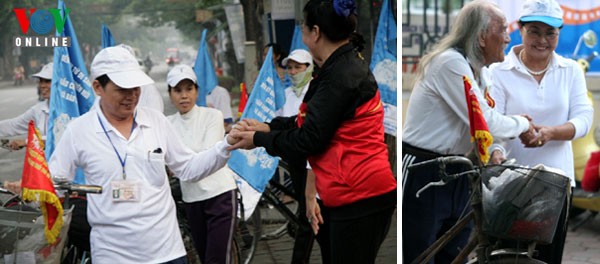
[{"x": 355, "y": 164}]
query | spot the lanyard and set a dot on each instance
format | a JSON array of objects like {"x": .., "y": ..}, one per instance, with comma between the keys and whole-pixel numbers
[{"x": 122, "y": 161}]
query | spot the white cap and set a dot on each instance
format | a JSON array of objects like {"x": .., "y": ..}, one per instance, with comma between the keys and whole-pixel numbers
[
  {"x": 45, "y": 72},
  {"x": 120, "y": 66},
  {"x": 179, "y": 73},
  {"x": 545, "y": 11},
  {"x": 299, "y": 56}
]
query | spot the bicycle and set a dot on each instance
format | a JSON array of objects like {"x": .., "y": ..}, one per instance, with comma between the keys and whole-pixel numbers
[
  {"x": 495, "y": 224},
  {"x": 272, "y": 218},
  {"x": 21, "y": 220},
  {"x": 281, "y": 216},
  {"x": 245, "y": 238}
]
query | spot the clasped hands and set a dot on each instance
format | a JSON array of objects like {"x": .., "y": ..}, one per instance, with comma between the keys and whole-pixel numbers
[
  {"x": 242, "y": 133},
  {"x": 536, "y": 136}
]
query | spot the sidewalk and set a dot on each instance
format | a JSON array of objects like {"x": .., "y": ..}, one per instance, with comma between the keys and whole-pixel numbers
[
  {"x": 279, "y": 251},
  {"x": 583, "y": 245}
]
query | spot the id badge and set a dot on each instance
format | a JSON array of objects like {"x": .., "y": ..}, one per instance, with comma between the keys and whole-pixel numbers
[{"x": 125, "y": 191}]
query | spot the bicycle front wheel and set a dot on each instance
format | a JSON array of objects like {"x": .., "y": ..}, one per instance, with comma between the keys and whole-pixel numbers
[{"x": 246, "y": 237}]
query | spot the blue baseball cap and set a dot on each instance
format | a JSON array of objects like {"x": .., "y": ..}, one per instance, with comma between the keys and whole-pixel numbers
[{"x": 545, "y": 11}]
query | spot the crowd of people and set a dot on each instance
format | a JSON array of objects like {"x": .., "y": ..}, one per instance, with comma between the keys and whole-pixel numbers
[{"x": 126, "y": 145}]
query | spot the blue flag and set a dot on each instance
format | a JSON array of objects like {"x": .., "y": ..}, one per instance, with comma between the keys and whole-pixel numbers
[
  {"x": 297, "y": 39},
  {"x": 71, "y": 94},
  {"x": 383, "y": 64},
  {"x": 107, "y": 38},
  {"x": 205, "y": 72},
  {"x": 255, "y": 166}
]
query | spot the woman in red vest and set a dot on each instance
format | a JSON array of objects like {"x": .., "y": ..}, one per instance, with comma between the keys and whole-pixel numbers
[{"x": 339, "y": 129}]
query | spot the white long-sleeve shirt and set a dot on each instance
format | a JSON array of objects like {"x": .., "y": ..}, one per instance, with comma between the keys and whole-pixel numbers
[
  {"x": 20, "y": 124},
  {"x": 437, "y": 118},
  {"x": 145, "y": 231},
  {"x": 200, "y": 129},
  {"x": 560, "y": 97}
]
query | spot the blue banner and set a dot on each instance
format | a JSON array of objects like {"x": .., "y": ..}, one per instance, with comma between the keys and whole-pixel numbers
[
  {"x": 205, "y": 72},
  {"x": 107, "y": 38},
  {"x": 255, "y": 166},
  {"x": 71, "y": 94},
  {"x": 383, "y": 64},
  {"x": 297, "y": 39}
]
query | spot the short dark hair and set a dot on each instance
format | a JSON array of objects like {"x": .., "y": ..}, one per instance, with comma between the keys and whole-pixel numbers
[
  {"x": 103, "y": 80},
  {"x": 277, "y": 50},
  {"x": 169, "y": 87}
]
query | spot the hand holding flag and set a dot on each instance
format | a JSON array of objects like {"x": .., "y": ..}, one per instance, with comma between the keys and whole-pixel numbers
[{"x": 37, "y": 184}]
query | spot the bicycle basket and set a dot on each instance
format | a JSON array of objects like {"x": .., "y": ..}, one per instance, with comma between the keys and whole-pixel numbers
[
  {"x": 522, "y": 203},
  {"x": 23, "y": 232}
]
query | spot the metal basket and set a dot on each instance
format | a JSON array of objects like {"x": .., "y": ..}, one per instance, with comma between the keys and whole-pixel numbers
[
  {"x": 22, "y": 238},
  {"x": 522, "y": 203}
]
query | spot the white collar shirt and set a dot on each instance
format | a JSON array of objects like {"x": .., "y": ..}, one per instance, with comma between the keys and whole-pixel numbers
[
  {"x": 145, "y": 231},
  {"x": 437, "y": 118},
  {"x": 200, "y": 129},
  {"x": 20, "y": 124},
  {"x": 560, "y": 97}
]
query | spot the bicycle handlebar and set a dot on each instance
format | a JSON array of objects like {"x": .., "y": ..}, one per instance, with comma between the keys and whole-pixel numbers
[
  {"x": 79, "y": 188},
  {"x": 443, "y": 161},
  {"x": 444, "y": 177}
]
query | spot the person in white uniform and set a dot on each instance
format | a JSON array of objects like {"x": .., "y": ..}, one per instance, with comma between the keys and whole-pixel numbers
[
  {"x": 38, "y": 112},
  {"x": 210, "y": 203},
  {"x": 437, "y": 124},
  {"x": 124, "y": 149},
  {"x": 552, "y": 90}
]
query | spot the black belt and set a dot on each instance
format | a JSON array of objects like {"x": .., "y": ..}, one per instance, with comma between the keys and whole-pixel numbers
[{"x": 422, "y": 153}]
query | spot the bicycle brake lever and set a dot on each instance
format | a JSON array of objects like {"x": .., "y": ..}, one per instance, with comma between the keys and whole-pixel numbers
[{"x": 437, "y": 183}]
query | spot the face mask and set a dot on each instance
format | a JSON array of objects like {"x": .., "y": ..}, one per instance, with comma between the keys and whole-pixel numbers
[{"x": 300, "y": 79}]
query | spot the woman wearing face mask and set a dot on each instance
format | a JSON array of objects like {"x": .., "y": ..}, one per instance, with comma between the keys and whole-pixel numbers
[{"x": 299, "y": 67}]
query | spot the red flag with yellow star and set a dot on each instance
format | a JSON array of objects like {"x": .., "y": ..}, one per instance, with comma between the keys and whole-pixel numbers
[
  {"x": 37, "y": 184},
  {"x": 478, "y": 126}
]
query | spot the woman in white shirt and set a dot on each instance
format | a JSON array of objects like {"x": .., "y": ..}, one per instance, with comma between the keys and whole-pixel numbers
[
  {"x": 211, "y": 202},
  {"x": 550, "y": 89}
]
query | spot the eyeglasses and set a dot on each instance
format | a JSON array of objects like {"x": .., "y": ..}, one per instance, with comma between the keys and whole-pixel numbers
[{"x": 550, "y": 35}]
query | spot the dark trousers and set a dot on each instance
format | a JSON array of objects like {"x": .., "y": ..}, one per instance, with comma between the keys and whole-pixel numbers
[
  {"x": 212, "y": 226},
  {"x": 358, "y": 240},
  {"x": 438, "y": 208},
  {"x": 552, "y": 253},
  {"x": 305, "y": 237}
]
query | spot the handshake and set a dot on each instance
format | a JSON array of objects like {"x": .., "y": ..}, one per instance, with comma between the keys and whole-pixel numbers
[
  {"x": 241, "y": 135},
  {"x": 536, "y": 136}
]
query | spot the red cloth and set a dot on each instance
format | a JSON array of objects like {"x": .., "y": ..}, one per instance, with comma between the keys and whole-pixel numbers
[
  {"x": 591, "y": 175},
  {"x": 479, "y": 129},
  {"x": 37, "y": 185},
  {"x": 243, "y": 99}
]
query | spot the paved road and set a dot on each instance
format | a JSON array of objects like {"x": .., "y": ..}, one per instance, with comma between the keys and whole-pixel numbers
[{"x": 279, "y": 251}]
